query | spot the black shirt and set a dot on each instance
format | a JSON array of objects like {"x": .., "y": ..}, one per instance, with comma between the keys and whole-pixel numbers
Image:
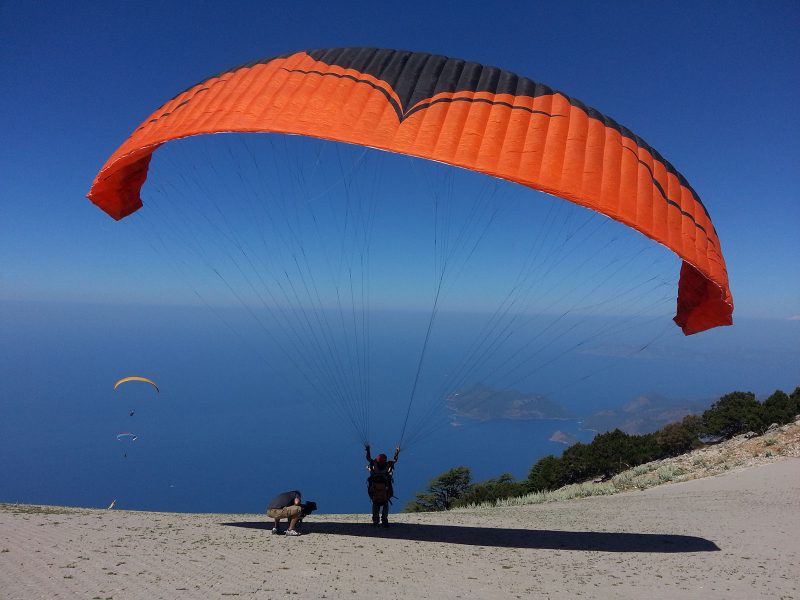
[{"x": 283, "y": 500}]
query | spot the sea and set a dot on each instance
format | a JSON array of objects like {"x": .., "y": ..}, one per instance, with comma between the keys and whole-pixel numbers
[{"x": 224, "y": 433}]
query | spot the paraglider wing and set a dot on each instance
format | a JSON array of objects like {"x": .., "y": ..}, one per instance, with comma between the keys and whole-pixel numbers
[
  {"x": 142, "y": 379},
  {"x": 457, "y": 112}
]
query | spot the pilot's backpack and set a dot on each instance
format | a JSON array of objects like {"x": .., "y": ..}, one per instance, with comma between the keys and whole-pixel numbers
[{"x": 379, "y": 486}]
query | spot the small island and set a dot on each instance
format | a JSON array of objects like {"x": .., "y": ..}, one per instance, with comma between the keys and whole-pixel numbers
[
  {"x": 483, "y": 403},
  {"x": 563, "y": 438}
]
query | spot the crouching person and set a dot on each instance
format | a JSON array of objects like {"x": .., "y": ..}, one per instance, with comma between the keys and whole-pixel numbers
[{"x": 289, "y": 506}]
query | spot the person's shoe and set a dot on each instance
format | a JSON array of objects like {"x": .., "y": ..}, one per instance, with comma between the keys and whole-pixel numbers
[
  {"x": 292, "y": 532},
  {"x": 375, "y": 523},
  {"x": 386, "y": 523},
  {"x": 275, "y": 531}
]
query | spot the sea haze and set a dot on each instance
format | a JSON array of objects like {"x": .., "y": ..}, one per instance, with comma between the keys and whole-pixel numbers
[{"x": 225, "y": 432}]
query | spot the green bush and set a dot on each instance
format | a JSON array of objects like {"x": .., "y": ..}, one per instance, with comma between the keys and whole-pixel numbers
[
  {"x": 679, "y": 438},
  {"x": 492, "y": 490},
  {"x": 546, "y": 474},
  {"x": 442, "y": 491},
  {"x": 734, "y": 413},
  {"x": 778, "y": 408}
]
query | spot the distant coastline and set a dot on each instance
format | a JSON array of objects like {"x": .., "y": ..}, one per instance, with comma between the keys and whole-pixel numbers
[{"x": 645, "y": 413}]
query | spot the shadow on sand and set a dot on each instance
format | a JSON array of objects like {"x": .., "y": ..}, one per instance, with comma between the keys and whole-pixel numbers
[{"x": 507, "y": 538}]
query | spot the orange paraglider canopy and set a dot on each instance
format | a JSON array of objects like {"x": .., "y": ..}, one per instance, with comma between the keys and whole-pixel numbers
[{"x": 457, "y": 112}]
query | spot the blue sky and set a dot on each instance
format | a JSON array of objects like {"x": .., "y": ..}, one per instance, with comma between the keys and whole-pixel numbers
[{"x": 712, "y": 86}]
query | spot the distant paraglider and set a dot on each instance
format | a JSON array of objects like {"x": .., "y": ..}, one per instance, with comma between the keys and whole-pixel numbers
[
  {"x": 132, "y": 411},
  {"x": 142, "y": 379},
  {"x": 126, "y": 437}
]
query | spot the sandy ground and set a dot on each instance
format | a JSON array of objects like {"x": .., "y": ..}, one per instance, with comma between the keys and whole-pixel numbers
[{"x": 736, "y": 535}]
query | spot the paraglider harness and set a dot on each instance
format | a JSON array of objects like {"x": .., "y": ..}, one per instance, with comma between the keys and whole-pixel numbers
[{"x": 379, "y": 482}]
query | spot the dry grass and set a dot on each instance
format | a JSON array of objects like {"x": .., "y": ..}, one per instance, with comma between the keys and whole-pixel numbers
[{"x": 33, "y": 509}]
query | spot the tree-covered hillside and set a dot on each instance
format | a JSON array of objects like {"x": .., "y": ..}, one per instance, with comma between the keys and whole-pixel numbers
[{"x": 615, "y": 451}]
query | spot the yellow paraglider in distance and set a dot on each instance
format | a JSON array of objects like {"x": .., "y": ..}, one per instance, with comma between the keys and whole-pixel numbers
[{"x": 143, "y": 379}]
